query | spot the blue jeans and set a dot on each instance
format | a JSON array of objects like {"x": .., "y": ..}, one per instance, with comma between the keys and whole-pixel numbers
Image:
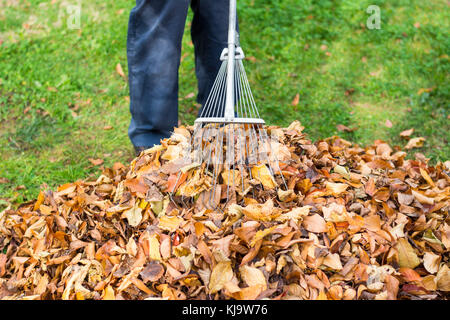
[{"x": 155, "y": 32}]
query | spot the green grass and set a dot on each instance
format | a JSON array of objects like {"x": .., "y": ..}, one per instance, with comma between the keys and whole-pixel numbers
[{"x": 59, "y": 87}]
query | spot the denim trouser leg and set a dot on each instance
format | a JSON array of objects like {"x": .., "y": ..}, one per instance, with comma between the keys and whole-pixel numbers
[{"x": 155, "y": 32}]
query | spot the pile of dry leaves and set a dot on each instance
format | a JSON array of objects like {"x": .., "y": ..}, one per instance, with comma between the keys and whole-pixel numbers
[{"x": 355, "y": 224}]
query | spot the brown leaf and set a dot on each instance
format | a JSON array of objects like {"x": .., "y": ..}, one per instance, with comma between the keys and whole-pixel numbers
[
  {"x": 152, "y": 272},
  {"x": 3, "y": 259},
  {"x": 296, "y": 100},
  {"x": 315, "y": 223},
  {"x": 410, "y": 275},
  {"x": 415, "y": 143},
  {"x": 370, "y": 187},
  {"x": 341, "y": 127},
  {"x": 4, "y": 180},
  {"x": 96, "y": 162},
  {"x": 406, "y": 133}
]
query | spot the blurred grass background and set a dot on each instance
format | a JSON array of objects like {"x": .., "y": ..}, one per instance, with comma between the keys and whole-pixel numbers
[{"x": 63, "y": 101}]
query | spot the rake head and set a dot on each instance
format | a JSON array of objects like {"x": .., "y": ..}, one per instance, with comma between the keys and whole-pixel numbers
[{"x": 232, "y": 151}]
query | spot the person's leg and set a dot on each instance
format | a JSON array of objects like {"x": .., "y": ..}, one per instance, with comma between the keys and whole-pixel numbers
[
  {"x": 209, "y": 33},
  {"x": 155, "y": 32}
]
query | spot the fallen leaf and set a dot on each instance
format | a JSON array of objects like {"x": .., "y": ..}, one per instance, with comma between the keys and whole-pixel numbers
[
  {"x": 443, "y": 278},
  {"x": 315, "y": 223},
  {"x": 296, "y": 100},
  {"x": 431, "y": 262},
  {"x": 109, "y": 293},
  {"x": 421, "y": 198},
  {"x": 410, "y": 275},
  {"x": 96, "y": 162},
  {"x": 406, "y": 255},
  {"x": 335, "y": 189},
  {"x": 253, "y": 276},
  {"x": 221, "y": 274},
  {"x": 263, "y": 175},
  {"x": 415, "y": 143},
  {"x": 170, "y": 224},
  {"x": 133, "y": 215},
  {"x": 406, "y": 133},
  {"x": 119, "y": 70},
  {"x": 152, "y": 272},
  {"x": 341, "y": 127},
  {"x": 4, "y": 180}
]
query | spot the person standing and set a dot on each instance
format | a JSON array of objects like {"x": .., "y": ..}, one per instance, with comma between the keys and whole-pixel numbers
[{"x": 155, "y": 32}]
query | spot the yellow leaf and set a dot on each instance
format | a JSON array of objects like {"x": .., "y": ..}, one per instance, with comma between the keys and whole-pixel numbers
[
  {"x": 134, "y": 215},
  {"x": 261, "y": 212},
  {"x": 286, "y": 196},
  {"x": 322, "y": 296},
  {"x": 295, "y": 214},
  {"x": 170, "y": 223},
  {"x": 253, "y": 276},
  {"x": 153, "y": 249},
  {"x": 335, "y": 189},
  {"x": 79, "y": 296},
  {"x": 333, "y": 261},
  {"x": 429, "y": 282},
  {"x": 263, "y": 175},
  {"x": 231, "y": 177},
  {"x": 173, "y": 152},
  {"x": 221, "y": 274},
  {"x": 261, "y": 234},
  {"x": 443, "y": 278},
  {"x": 427, "y": 177},
  {"x": 406, "y": 255},
  {"x": 39, "y": 201},
  {"x": 343, "y": 171}
]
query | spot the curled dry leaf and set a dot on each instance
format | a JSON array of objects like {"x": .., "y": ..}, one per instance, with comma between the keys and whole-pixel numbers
[
  {"x": 431, "y": 262},
  {"x": 406, "y": 133},
  {"x": 443, "y": 278},
  {"x": 415, "y": 143}
]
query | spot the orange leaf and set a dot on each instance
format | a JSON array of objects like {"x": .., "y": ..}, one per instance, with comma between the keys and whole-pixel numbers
[
  {"x": 119, "y": 70},
  {"x": 410, "y": 275},
  {"x": 296, "y": 100},
  {"x": 96, "y": 162}
]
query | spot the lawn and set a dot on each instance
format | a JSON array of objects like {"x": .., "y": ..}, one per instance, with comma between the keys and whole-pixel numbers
[{"x": 64, "y": 103}]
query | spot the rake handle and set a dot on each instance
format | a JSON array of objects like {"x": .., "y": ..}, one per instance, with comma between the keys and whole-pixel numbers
[{"x": 229, "y": 102}]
